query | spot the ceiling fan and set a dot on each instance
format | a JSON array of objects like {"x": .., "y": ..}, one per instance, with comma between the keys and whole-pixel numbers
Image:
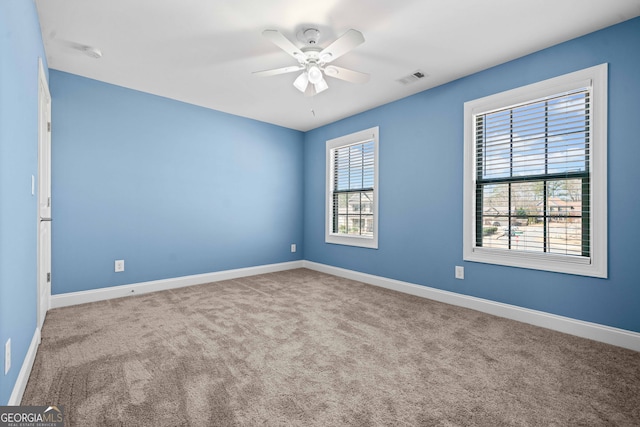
[{"x": 313, "y": 61}]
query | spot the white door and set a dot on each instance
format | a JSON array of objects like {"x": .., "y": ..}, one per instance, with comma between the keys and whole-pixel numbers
[{"x": 44, "y": 196}]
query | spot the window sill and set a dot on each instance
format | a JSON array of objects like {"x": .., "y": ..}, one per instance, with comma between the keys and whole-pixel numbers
[
  {"x": 362, "y": 242},
  {"x": 538, "y": 261}
]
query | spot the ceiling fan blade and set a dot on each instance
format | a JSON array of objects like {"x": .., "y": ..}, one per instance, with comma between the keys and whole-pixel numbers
[
  {"x": 346, "y": 74},
  {"x": 342, "y": 45},
  {"x": 283, "y": 43},
  {"x": 276, "y": 71}
]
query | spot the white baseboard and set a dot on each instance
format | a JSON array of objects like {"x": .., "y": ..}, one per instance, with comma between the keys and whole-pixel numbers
[
  {"x": 594, "y": 331},
  {"x": 25, "y": 371},
  {"x": 82, "y": 297}
]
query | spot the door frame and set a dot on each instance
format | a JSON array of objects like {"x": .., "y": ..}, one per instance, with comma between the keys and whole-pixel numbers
[{"x": 43, "y": 300}]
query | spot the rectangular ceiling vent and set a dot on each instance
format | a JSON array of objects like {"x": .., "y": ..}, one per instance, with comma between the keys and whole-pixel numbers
[{"x": 412, "y": 78}]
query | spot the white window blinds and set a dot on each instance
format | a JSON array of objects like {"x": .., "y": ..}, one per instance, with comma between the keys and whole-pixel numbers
[
  {"x": 547, "y": 137},
  {"x": 532, "y": 175},
  {"x": 352, "y": 189}
]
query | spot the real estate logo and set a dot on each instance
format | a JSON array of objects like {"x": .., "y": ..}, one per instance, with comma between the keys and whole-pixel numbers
[{"x": 31, "y": 416}]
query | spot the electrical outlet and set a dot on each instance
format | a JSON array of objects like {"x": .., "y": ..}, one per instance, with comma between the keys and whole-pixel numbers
[
  {"x": 7, "y": 356},
  {"x": 119, "y": 265},
  {"x": 459, "y": 272},
  {"x": 293, "y": 247}
]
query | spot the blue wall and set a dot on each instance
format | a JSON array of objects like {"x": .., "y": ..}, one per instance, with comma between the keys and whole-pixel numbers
[
  {"x": 171, "y": 188},
  {"x": 20, "y": 47},
  {"x": 421, "y": 182},
  {"x": 175, "y": 189}
]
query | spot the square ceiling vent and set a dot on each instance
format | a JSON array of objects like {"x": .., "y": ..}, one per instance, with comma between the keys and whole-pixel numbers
[{"x": 412, "y": 78}]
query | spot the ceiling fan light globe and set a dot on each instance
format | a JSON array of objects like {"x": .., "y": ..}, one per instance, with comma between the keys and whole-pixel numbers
[
  {"x": 301, "y": 82},
  {"x": 315, "y": 75},
  {"x": 321, "y": 86}
]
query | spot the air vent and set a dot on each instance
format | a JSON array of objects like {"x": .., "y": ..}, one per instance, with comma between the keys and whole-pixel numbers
[{"x": 412, "y": 78}]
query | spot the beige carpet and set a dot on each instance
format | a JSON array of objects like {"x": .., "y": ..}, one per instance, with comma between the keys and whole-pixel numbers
[{"x": 308, "y": 349}]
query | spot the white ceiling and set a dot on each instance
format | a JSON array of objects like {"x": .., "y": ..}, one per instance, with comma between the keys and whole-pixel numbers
[{"x": 204, "y": 51}]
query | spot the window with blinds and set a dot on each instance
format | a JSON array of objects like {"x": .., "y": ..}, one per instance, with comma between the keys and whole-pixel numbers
[
  {"x": 532, "y": 185},
  {"x": 535, "y": 175},
  {"x": 352, "y": 189},
  {"x": 353, "y": 173}
]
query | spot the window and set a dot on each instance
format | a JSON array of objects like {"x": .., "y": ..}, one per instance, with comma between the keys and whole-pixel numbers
[
  {"x": 535, "y": 176},
  {"x": 352, "y": 189}
]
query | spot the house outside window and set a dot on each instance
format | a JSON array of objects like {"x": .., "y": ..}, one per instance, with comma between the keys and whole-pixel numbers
[
  {"x": 352, "y": 189},
  {"x": 535, "y": 176}
]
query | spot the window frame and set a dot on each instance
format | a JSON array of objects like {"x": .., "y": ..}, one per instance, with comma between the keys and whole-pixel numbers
[
  {"x": 371, "y": 134},
  {"x": 596, "y": 264}
]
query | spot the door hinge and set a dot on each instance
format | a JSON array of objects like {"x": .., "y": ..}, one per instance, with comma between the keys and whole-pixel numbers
[
  {"x": 48, "y": 202},
  {"x": 48, "y": 126},
  {"x": 48, "y": 277}
]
